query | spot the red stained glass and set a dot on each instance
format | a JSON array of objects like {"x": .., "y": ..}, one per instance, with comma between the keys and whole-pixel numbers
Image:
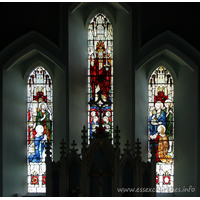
[
  {"x": 157, "y": 179},
  {"x": 166, "y": 180},
  {"x": 161, "y": 126},
  {"x": 39, "y": 126},
  {"x": 44, "y": 179},
  {"x": 34, "y": 180},
  {"x": 100, "y": 75},
  {"x": 160, "y": 97}
]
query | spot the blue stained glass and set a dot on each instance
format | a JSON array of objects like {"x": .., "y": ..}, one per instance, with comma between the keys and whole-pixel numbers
[
  {"x": 100, "y": 75},
  {"x": 161, "y": 127},
  {"x": 39, "y": 127}
]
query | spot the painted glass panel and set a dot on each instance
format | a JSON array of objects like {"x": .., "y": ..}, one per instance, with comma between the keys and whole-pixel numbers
[
  {"x": 161, "y": 127},
  {"x": 100, "y": 75},
  {"x": 39, "y": 127}
]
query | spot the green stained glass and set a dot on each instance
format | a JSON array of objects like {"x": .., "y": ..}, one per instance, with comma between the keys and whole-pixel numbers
[
  {"x": 39, "y": 127},
  {"x": 161, "y": 127}
]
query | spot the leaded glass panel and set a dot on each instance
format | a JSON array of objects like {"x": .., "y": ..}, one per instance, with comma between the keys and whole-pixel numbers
[
  {"x": 39, "y": 127},
  {"x": 161, "y": 127},
  {"x": 100, "y": 75}
]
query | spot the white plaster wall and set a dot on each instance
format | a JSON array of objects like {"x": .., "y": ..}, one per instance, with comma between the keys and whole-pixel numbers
[
  {"x": 77, "y": 69},
  {"x": 186, "y": 123},
  {"x": 14, "y": 133},
  {"x": 123, "y": 76}
]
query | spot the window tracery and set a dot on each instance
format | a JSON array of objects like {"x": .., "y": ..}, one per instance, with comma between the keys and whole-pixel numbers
[
  {"x": 100, "y": 75},
  {"x": 161, "y": 127},
  {"x": 39, "y": 127}
]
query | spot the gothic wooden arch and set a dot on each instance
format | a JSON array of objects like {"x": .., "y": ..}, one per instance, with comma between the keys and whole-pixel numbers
[
  {"x": 55, "y": 178},
  {"x": 127, "y": 157},
  {"x": 73, "y": 157},
  {"x": 96, "y": 145}
]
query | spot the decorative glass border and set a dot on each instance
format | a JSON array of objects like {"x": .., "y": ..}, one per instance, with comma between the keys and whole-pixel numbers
[
  {"x": 161, "y": 127},
  {"x": 100, "y": 75},
  {"x": 39, "y": 127}
]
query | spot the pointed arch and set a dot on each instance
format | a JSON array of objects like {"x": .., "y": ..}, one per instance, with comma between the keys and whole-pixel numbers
[
  {"x": 171, "y": 45},
  {"x": 161, "y": 126},
  {"x": 107, "y": 11},
  {"x": 100, "y": 75},
  {"x": 31, "y": 44},
  {"x": 39, "y": 126}
]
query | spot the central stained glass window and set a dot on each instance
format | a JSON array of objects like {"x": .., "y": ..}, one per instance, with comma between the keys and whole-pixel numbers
[
  {"x": 100, "y": 75},
  {"x": 39, "y": 127}
]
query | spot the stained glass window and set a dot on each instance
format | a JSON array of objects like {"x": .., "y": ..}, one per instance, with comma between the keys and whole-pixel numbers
[
  {"x": 161, "y": 127},
  {"x": 39, "y": 127},
  {"x": 100, "y": 75}
]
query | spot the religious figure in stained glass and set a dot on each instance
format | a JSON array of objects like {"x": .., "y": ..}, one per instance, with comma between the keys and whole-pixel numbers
[
  {"x": 100, "y": 75},
  {"x": 161, "y": 126},
  {"x": 39, "y": 126}
]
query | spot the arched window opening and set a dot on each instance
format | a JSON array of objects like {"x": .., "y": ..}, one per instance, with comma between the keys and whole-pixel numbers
[
  {"x": 39, "y": 127},
  {"x": 161, "y": 127},
  {"x": 100, "y": 75}
]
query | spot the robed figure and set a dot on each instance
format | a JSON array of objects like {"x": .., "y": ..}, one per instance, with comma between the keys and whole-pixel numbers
[{"x": 100, "y": 72}]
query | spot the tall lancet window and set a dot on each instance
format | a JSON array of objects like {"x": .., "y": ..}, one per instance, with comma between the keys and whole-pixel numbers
[
  {"x": 161, "y": 127},
  {"x": 100, "y": 75},
  {"x": 39, "y": 127}
]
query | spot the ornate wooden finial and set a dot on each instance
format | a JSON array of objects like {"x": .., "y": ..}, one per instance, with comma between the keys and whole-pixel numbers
[
  {"x": 63, "y": 148},
  {"x": 73, "y": 146},
  {"x": 127, "y": 145},
  {"x": 84, "y": 137},
  {"x": 117, "y": 137},
  {"x": 138, "y": 147}
]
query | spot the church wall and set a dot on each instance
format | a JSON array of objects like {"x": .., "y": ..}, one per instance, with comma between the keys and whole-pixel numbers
[
  {"x": 122, "y": 76},
  {"x": 141, "y": 108},
  {"x": 186, "y": 123},
  {"x": 60, "y": 126},
  {"x": 14, "y": 129},
  {"x": 77, "y": 76}
]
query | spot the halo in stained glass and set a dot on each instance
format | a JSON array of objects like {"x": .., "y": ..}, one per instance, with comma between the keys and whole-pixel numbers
[
  {"x": 39, "y": 127},
  {"x": 161, "y": 127},
  {"x": 100, "y": 75}
]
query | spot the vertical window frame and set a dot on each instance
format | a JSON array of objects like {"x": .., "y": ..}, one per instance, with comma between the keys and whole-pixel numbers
[
  {"x": 39, "y": 127},
  {"x": 100, "y": 41},
  {"x": 161, "y": 94}
]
